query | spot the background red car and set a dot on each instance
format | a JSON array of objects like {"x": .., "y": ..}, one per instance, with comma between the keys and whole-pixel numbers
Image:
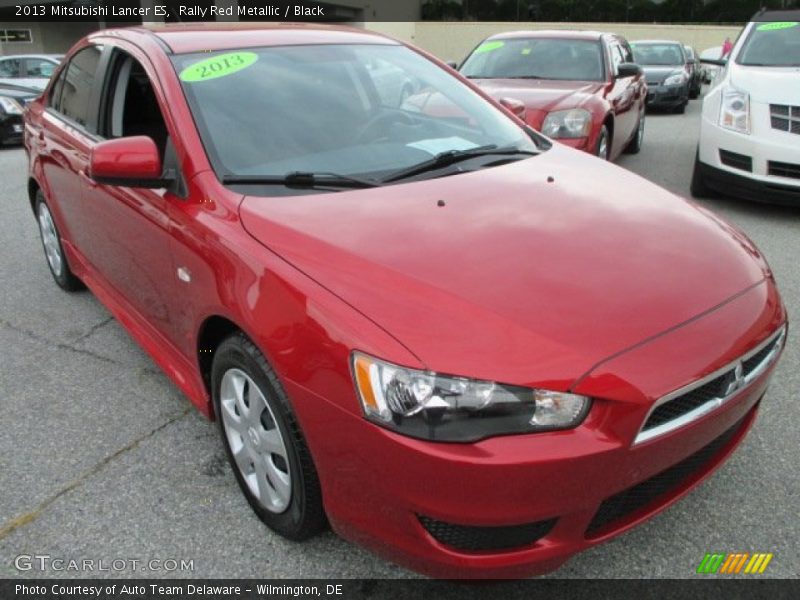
[{"x": 579, "y": 87}]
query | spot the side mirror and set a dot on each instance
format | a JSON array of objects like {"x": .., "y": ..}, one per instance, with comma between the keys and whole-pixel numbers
[
  {"x": 629, "y": 70},
  {"x": 719, "y": 62},
  {"x": 128, "y": 161},
  {"x": 515, "y": 106},
  {"x": 452, "y": 64}
]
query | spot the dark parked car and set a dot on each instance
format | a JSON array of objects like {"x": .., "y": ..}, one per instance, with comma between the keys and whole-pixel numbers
[
  {"x": 695, "y": 72},
  {"x": 667, "y": 73},
  {"x": 579, "y": 87},
  {"x": 13, "y": 99}
]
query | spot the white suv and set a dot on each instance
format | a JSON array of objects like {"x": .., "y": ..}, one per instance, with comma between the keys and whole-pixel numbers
[{"x": 750, "y": 132}]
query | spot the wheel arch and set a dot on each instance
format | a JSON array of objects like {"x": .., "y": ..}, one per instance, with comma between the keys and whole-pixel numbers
[
  {"x": 33, "y": 188},
  {"x": 212, "y": 331}
]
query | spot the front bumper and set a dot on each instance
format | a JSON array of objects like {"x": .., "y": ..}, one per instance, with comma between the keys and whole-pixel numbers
[
  {"x": 662, "y": 96},
  {"x": 740, "y": 165},
  {"x": 440, "y": 509}
]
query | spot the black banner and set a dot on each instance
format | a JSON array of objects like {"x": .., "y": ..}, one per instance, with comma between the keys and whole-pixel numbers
[
  {"x": 610, "y": 11},
  {"x": 279, "y": 589}
]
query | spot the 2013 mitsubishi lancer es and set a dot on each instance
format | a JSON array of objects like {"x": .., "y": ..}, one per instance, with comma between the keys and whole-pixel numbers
[{"x": 415, "y": 318}]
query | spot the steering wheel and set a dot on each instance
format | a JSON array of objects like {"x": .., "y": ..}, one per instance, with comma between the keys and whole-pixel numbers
[{"x": 382, "y": 119}]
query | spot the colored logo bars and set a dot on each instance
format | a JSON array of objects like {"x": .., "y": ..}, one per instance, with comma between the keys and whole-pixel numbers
[{"x": 735, "y": 564}]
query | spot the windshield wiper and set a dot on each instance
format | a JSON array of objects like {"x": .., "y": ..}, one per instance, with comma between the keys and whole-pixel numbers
[
  {"x": 444, "y": 159},
  {"x": 303, "y": 179}
]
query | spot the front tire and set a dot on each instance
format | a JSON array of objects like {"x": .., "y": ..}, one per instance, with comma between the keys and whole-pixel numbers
[
  {"x": 263, "y": 441},
  {"x": 603, "y": 146},
  {"x": 53, "y": 250},
  {"x": 698, "y": 187},
  {"x": 635, "y": 145}
]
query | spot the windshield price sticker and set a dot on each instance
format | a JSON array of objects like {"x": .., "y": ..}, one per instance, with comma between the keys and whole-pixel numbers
[
  {"x": 489, "y": 47},
  {"x": 218, "y": 66},
  {"x": 778, "y": 26}
]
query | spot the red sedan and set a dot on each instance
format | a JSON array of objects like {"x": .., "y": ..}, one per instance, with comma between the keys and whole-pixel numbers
[
  {"x": 425, "y": 330},
  {"x": 579, "y": 87}
]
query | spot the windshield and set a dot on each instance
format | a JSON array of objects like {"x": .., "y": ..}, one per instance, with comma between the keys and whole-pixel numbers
[
  {"x": 661, "y": 55},
  {"x": 537, "y": 58},
  {"x": 772, "y": 45},
  {"x": 351, "y": 110}
]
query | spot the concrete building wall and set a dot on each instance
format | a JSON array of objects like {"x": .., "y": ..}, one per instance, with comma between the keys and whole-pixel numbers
[
  {"x": 453, "y": 40},
  {"x": 48, "y": 38}
]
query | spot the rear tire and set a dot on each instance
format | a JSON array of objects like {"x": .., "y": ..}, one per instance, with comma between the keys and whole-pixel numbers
[
  {"x": 263, "y": 441},
  {"x": 53, "y": 250}
]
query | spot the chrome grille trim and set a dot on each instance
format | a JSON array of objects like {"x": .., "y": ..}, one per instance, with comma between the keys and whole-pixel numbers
[
  {"x": 785, "y": 118},
  {"x": 777, "y": 339}
]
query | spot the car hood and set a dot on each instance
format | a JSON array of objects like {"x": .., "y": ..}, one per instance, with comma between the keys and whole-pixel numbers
[
  {"x": 657, "y": 74},
  {"x": 768, "y": 85},
  {"x": 542, "y": 94},
  {"x": 515, "y": 278}
]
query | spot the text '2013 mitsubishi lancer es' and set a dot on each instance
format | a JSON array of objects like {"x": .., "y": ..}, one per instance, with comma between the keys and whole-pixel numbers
[{"x": 467, "y": 348}]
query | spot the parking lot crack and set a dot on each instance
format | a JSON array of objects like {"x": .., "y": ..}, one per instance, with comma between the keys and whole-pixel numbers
[
  {"x": 22, "y": 520},
  {"x": 69, "y": 347},
  {"x": 93, "y": 329}
]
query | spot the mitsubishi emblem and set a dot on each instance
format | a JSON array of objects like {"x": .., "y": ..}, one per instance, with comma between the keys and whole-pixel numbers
[{"x": 738, "y": 380}]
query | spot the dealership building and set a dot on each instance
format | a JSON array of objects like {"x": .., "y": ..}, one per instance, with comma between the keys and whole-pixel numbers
[{"x": 33, "y": 34}]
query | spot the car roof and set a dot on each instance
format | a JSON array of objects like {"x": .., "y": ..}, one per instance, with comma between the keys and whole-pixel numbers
[
  {"x": 570, "y": 34},
  {"x": 770, "y": 16},
  {"x": 53, "y": 56},
  {"x": 183, "y": 38},
  {"x": 677, "y": 43}
]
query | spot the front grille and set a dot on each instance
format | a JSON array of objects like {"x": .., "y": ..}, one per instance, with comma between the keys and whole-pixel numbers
[
  {"x": 780, "y": 169},
  {"x": 720, "y": 387},
  {"x": 688, "y": 402},
  {"x": 785, "y": 117},
  {"x": 737, "y": 161},
  {"x": 648, "y": 492},
  {"x": 477, "y": 539}
]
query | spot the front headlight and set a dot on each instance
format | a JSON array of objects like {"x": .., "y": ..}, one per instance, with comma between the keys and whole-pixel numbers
[
  {"x": 443, "y": 408},
  {"x": 676, "y": 79},
  {"x": 735, "y": 110},
  {"x": 575, "y": 123},
  {"x": 11, "y": 106}
]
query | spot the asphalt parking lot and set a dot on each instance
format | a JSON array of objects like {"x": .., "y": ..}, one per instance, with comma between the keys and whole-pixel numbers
[{"x": 102, "y": 458}]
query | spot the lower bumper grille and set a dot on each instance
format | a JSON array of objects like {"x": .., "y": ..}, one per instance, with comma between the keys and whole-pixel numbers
[
  {"x": 781, "y": 169},
  {"x": 736, "y": 161},
  {"x": 622, "y": 505},
  {"x": 478, "y": 539}
]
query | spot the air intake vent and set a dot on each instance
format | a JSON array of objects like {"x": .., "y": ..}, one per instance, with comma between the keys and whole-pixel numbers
[
  {"x": 780, "y": 169},
  {"x": 483, "y": 539},
  {"x": 736, "y": 161}
]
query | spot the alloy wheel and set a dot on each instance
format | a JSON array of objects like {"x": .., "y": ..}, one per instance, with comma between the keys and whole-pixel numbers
[
  {"x": 256, "y": 441},
  {"x": 52, "y": 248}
]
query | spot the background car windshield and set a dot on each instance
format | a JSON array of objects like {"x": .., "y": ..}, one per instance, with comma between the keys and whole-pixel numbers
[
  {"x": 772, "y": 45},
  {"x": 349, "y": 109},
  {"x": 658, "y": 54},
  {"x": 580, "y": 60}
]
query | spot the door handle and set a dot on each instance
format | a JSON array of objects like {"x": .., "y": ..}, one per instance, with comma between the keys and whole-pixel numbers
[{"x": 86, "y": 179}]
